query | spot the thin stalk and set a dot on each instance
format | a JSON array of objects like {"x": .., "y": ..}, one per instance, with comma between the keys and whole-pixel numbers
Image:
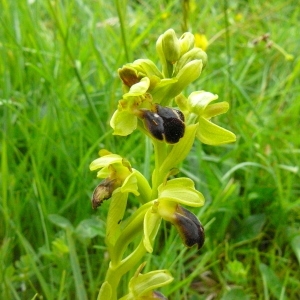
[
  {"x": 160, "y": 154},
  {"x": 122, "y": 26},
  {"x": 114, "y": 275}
]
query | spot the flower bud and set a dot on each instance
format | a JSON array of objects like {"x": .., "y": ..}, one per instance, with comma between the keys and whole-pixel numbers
[
  {"x": 194, "y": 54},
  {"x": 186, "y": 42},
  {"x": 168, "y": 46}
]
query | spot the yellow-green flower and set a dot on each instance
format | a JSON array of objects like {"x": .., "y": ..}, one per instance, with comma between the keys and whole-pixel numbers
[
  {"x": 199, "y": 109},
  {"x": 117, "y": 173},
  {"x": 171, "y": 195},
  {"x": 142, "y": 286}
]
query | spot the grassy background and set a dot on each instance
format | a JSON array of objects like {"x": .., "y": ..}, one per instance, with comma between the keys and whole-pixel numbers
[{"x": 59, "y": 87}]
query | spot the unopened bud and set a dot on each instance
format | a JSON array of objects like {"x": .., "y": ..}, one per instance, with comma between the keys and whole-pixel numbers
[
  {"x": 146, "y": 67},
  {"x": 194, "y": 54},
  {"x": 186, "y": 42},
  {"x": 168, "y": 44}
]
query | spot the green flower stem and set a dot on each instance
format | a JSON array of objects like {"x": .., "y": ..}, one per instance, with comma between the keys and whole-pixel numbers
[
  {"x": 133, "y": 227},
  {"x": 160, "y": 154},
  {"x": 113, "y": 275}
]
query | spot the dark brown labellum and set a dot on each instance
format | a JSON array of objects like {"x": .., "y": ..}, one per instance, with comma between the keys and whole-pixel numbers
[
  {"x": 165, "y": 123},
  {"x": 154, "y": 123},
  {"x": 189, "y": 228},
  {"x": 174, "y": 130}
]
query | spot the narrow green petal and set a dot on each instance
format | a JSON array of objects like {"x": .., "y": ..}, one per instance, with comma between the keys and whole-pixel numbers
[
  {"x": 123, "y": 123},
  {"x": 152, "y": 222},
  {"x": 215, "y": 109},
  {"x": 104, "y": 172},
  {"x": 139, "y": 88},
  {"x": 147, "y": 67},
  {"x": 130, "y": 185},
  {"x": 212, "y": 134}
]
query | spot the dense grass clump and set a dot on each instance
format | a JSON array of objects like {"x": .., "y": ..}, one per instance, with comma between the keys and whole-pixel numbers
[{"x": 58, "y": 90}]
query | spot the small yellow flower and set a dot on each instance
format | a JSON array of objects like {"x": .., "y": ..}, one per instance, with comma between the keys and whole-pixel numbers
[{"x": 201, "y": 41}]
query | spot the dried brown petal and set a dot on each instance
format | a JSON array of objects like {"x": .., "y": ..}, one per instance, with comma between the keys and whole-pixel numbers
[{"x": 102, "y": 192}]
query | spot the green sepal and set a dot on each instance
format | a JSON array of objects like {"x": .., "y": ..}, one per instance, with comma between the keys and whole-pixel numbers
[
  {"x": 194, "y": 54},
  {"x": 182, "y": 103},
  {"x": 180, "y": 150},
  {"x": 215, "y": 109},
  {"x": 182, "y": 191},
  {"x": 147, "y": 68},
  {"x": 212, "y": 134},
  {"x": 130, "y": 185},
  {"x": 162, "y": 90},
  {"x": 123, "y": 122}
]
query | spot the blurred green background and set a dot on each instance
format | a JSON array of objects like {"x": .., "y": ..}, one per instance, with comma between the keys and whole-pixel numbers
[{"x": 58, "y": 90}]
